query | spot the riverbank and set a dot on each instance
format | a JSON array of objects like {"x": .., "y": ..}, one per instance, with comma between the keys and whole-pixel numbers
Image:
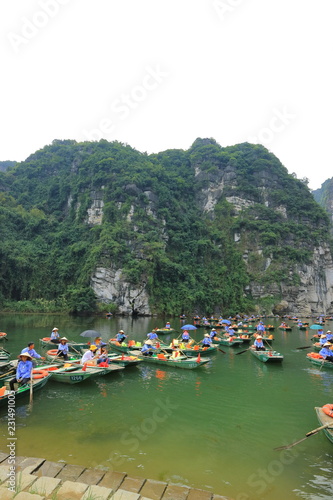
[{"x": 39, "y": 479}]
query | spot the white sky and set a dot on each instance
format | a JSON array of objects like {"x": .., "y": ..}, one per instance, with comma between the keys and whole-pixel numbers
[{"x": 157, "y": 74}]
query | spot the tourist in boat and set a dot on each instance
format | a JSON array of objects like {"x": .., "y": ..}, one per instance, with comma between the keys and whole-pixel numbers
[
  {"x": 147, "y": 348},
  {"x": 120, "y": 337},
  {"x": 206, "y": 341},
  {"x": 258, "y": 344},
  {"x": 63, "y": 349},
  {"x": 326, "y": 352},
  {"x": 89, "y": 355},
  {"x": 98, "y": 342},
  {"x": 103, "y": 357},
  {"x": 23, "y": 371},
  {"x": 185, "y": 336},
  {"x": 175, "y": 353},
  {"x": 32, "y": 353},
  {"x": 55, "y": 336}
]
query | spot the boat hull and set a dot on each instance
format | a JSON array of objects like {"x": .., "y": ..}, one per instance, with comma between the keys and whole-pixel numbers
[
  {"x": 324, "y": 419},
  {"x": 268, "y": 356}
]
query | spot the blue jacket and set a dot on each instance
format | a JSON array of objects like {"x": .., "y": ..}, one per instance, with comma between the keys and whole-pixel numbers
[
  {"x": 325, "y": 351},
  {"x": 23, "y": 369},
  {"x": 32, "y": 352}
]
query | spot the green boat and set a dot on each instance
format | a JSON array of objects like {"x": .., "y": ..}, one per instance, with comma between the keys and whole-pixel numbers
[
  {"x": 4, "y": 355},
  {"x": 188, "y": 351},
  {"x": 46, "y": 343},
  {"x": 21, "y": 391},
  {"x": 67, "y": 375},
  {"x": 235, "y": 342},
  {"x": 180, "y": 362},
  {"x": 268, "y": 356},
  {"x": 164, "y": 331},
  {"x": 95, "y": 370},
  {"x": 321, "y": 362},
  {"x": 324, "y": 419}
]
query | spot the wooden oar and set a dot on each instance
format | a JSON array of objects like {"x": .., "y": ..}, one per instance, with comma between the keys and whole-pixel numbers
[
  {"x": 8, "y": 373},
  {"x": 305, "y": 347},
  {"x": 3, "y": 349},
  {"x": 309, "y": 434},
  {"x": 31, "y": 391},
  {"x": 238, "y": 353}
]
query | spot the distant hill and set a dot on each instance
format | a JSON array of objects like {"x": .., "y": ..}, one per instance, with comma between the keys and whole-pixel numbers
[{"x": 5, "y": 164}]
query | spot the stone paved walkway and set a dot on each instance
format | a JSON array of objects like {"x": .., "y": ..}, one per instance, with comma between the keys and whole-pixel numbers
[{"x": 39, "y": 479}]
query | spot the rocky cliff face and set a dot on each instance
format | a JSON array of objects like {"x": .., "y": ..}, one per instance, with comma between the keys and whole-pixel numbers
[{"x": 312, "y": 292}]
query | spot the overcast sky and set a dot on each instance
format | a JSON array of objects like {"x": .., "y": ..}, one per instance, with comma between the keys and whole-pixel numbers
[{"x": 157, "y": 74}]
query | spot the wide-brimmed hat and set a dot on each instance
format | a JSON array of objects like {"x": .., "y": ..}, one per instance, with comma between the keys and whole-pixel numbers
[
  {"x": 54, "y": 329},
  {"x": 121, "y": 331},
  {"x": 328, "y": 331},
  {"x": 206, "y": 335},
  {"x": 93, "y": 348},
  {"x": 64, "y": 338},
  {"x": 327, "y": 344},
  {"x": 28, "y": 355},
  {"x": 149, "y": 342},
  {"x": 259, "y": 337},
  {"x": 323, "y": 336}
]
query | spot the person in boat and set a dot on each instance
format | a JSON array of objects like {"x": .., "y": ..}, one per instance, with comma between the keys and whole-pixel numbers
[
  {"x": 283, "y": 325},
  {"x": 258, "y": 344},
  {"x": 323, "y": 339},
  {"x": 260, "y": 327},
  {"x": 89, "y": 355},
  {"x": 120, "y": 337},
  {"x": 167, "y": 325},
  {"x": 147, "y": 348},
  {"x": 185, "y": 336},
  {"x": 103, "y": 357},
  {"x": 55, "y": 336},
  {"x": 326, "y": 352},
  {"x": 152, "y": 336},
  {"x": 32, "y": 353},
  {"x": 175, "y": 353},
  {"x": 329, "y": 336},
  {"x": 213, "y": 333},
  {"x": 63, "y": 349},
  {"x": 98, "y": 342},
  {"x": 206, "y": 341},
  {"x": 23, "y": 371}
]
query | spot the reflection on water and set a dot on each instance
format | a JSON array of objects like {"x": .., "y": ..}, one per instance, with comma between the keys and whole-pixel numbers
[{"x": 214, "y": 427}]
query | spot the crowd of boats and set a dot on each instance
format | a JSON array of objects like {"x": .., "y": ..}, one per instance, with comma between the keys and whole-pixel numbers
[{"x": 74, "y": 362}]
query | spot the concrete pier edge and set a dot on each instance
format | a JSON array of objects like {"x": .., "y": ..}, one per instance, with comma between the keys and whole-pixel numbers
[{"x": 39, "y": 479}]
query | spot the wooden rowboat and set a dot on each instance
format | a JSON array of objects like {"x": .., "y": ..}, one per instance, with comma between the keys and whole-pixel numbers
[
  {"x": 230, "y": 342},
  {"x": 3, "y": 336},
  {"x": 180, "y": 362},
  {"x": 67, "y": 375},
  {"x": 268, "y": 356},
  {"x": 188, "y": 351},
  {"x": 319, "y": 361},
  {"x": 163, "y": 331},
  {"x": 73, "y": 346},
  {"x": 21, "y": 391},
  {"x": 323, "y": 420}
]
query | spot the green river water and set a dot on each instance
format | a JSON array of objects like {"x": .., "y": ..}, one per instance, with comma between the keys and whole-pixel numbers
[{"x": 212, "y": 428}]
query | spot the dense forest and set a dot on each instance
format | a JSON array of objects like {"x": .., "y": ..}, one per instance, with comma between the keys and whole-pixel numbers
[{"x": 155, "y": 226}]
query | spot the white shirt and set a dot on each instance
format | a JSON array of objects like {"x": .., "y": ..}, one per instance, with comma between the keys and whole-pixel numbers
[{"x": 88, "y": 356}]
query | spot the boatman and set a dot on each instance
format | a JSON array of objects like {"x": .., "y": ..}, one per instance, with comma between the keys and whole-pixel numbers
[
  {"x": 260, "y": 327},
  {"x": 206, "y": 341},
  {"x": 167, "y": 325},
  {"x": 329, "y": 336},
  {"x": 152, "y": 336},
  {"x": 55, "y": 336},
  {"x": 258, "y": 344},
  {"x": 323, "y": 339},
  {"x": 213, "y": 333},
  {"x": 326, "y": 352},
  {"x": 147, "y": 348},
  {"x": 185, "y": 336},
  {"x": 32, "y": 353},
  {"x": 63, "y": 349},
  {"x": 120, "y": 337},
  {"x": 23, "y": 371}
]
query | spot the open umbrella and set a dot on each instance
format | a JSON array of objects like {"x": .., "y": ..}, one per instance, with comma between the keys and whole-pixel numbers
[
  {"x": 316, "y": 327},
  {"x": 226, "y": 321},
  {"x": 188, "y": 327},
  {"x": 90, "y": 333}
]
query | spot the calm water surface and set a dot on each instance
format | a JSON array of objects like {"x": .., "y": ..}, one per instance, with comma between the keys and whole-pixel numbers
[{"x": 213, "y": 428}]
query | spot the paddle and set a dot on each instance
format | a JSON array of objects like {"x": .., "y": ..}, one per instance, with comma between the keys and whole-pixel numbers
[
  {"x": 309, "y": 434},
  {"x": 305, "y": 347},
  {"x": 8, "y": 373},
  {"x": 31, "y": 391},
  {"x": 238, "y": 353},
  {"x": 3, "y": 349}
]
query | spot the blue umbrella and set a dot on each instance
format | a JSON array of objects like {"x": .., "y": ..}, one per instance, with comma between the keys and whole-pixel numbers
[
  {"x": 188, "y": 327},
  {"x": 316, "y": 327},
  {"x": 226, "y": 321}
]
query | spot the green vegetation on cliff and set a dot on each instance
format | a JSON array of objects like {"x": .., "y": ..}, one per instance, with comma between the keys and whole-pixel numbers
[{"x": 156, "y": 225}]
